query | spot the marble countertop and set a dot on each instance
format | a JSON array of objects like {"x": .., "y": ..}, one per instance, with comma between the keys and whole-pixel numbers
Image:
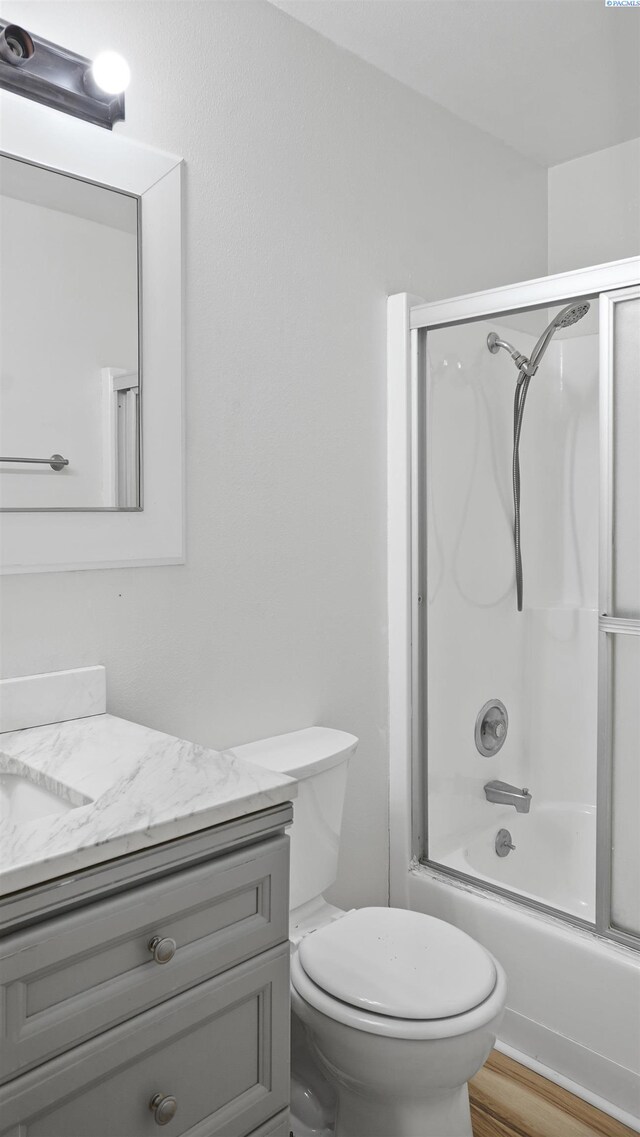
[{"x": 131, "y": 787}]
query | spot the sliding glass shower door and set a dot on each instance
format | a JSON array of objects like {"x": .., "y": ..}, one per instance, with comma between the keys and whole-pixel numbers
[
  {"x": 530, "y": 718},
  {"x": 619, "y": 831}
]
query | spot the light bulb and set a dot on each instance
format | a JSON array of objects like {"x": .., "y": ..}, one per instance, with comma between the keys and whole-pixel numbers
[{"x": 111, "y": 72}]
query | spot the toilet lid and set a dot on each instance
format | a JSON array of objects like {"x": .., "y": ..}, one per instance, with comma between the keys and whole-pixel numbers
[{"x": 398, "y": 963}]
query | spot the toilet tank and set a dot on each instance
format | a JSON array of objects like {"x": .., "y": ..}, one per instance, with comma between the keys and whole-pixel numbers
[{"x": 318, "y": 759}]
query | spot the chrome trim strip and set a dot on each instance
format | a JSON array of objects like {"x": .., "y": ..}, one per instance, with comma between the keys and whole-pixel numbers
[
  {"x": 507, "y": 894},
  {"x": 605, "y": 574},
  {"x": 603, "y": 788},
  {"x": 419, "y": 810},
  {"x": 605, "y": 566},
  {"x": 616, "y": 625},
  {"x": 479, "y": 886}
]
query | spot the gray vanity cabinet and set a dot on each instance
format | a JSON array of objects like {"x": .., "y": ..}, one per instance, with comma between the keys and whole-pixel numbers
[{"x": 100, "y": 1039}]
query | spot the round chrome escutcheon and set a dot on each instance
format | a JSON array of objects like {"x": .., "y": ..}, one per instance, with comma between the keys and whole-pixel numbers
[{"x": 492, "y": 725}]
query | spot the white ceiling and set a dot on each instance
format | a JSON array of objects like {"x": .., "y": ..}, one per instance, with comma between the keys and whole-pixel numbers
[{"x": 555, "y": 79}]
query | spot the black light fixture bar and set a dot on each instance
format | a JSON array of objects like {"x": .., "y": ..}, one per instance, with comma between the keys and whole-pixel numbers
[{"x": 55, "y": 76}]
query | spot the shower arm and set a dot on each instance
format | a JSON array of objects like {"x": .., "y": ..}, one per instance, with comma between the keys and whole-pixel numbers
[{"x": 494, "y": 343}]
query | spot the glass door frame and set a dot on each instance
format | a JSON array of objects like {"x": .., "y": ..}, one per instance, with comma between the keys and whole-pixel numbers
[{"x": 609, "y": 625}]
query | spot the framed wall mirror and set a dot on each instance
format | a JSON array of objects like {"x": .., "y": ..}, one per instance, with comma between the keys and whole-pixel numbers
[
  {"x": 91, "y": 448},
  {"x": 70, "y": 367}
]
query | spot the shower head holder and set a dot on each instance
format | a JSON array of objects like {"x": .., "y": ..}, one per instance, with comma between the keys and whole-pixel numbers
[{"x": 494, "y": 343}]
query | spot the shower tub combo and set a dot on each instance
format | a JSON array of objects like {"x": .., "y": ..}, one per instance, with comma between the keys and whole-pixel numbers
[{"x": 514, "y": 612}]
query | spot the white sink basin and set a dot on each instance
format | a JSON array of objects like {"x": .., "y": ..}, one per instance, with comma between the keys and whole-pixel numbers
[{"x": 25, "y": 794}]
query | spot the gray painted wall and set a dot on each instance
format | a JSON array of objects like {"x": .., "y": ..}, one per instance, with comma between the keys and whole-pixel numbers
[
  {"x": 315, "y": 186},
  {"x": 594, "y": 208}
]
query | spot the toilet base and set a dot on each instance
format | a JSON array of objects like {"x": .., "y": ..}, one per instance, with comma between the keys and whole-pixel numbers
[
  {"x": 313, "y": 1099},
  {"x": 381, "y": 1090},
  {"x": 446, "y": 1115},
  {"x": 391, "y": 1086}
]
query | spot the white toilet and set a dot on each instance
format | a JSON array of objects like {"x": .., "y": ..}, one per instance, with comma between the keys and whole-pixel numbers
[{"x": 400, "y": 1009}]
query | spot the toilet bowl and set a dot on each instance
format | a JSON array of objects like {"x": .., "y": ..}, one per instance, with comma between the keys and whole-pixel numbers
[
  {"x": 400, "y": 1070},
  {"x": 399, "y": 1010}
]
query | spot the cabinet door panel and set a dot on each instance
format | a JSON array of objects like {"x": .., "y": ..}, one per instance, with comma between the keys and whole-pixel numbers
[
  {"x": 221, "y": 1049},
  {"x": 279, "y": 1126},
  {"x": 72, "y": 977}
]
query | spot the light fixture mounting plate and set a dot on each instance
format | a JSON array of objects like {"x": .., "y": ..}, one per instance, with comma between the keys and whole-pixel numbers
[{"x": 60, "y": 78}]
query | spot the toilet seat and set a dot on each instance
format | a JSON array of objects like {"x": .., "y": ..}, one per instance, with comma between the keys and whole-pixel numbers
[
  {"x": 399, "y": 963},
  {"x": 411, "y": 1029},
  {"x": 398, "y": 973}
]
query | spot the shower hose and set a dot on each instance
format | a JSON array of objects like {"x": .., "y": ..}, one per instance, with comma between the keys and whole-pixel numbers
[{"x": 522, "y": 387}]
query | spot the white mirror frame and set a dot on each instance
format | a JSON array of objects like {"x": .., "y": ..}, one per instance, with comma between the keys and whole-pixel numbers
[{"x": 51, "y": 541}]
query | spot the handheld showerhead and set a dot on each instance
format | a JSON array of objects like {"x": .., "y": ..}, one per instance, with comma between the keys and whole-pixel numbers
[
  {"x": 571, "y": 314},
  {"x": 565, "y": 318}
]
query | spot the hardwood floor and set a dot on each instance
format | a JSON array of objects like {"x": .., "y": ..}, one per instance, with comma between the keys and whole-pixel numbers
[{"x": 509, "y": 1100}]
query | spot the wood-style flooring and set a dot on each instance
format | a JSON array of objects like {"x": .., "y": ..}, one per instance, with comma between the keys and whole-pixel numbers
[{"x": 509, "y": 1100}]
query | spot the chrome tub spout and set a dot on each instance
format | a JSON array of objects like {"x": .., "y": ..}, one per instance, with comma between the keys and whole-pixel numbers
[{"x": 504, "y": 794}]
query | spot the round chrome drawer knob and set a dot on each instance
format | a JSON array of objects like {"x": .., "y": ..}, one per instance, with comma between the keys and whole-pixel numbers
[
  {"x": 162, "y": 950},
  {"x": 163, "y": 1107}
]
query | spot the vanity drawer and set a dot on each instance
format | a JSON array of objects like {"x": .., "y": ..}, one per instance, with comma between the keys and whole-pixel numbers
[
  {"x": 70, "y": 978},
  {"x": 221, "y": 1050}
]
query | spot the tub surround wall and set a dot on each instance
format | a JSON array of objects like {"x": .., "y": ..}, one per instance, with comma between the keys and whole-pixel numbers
[
  {"x": 560, "y": 532},
  {"x": 475, "y": 636},
  {"x": 542, "y": 663},
  {"x": 314, "y": 186},
  {"x": 560, "y": 678}
]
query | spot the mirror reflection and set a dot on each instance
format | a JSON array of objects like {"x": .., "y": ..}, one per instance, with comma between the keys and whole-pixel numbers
[{"x": 69, "y": 343}]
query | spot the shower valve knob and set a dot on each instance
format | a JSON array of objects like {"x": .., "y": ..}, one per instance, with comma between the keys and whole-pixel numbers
[{"x": 491, "y": 727}]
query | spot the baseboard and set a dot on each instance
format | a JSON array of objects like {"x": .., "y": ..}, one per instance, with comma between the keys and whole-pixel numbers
[{"x": 570, "y": 1065}]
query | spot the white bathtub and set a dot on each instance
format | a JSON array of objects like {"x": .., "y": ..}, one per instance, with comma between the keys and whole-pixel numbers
[
  {"x": 554, "y": 860},
  {"x": 573, "y": 997}
]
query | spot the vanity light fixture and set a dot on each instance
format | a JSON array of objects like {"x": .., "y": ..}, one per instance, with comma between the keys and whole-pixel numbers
[{"x": 57, "y": 77}]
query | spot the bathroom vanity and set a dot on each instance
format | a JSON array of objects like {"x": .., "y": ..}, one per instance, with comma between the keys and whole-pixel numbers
[
  {"x": 154, "y": 986},
  {"x": 144, "y": 981}
]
